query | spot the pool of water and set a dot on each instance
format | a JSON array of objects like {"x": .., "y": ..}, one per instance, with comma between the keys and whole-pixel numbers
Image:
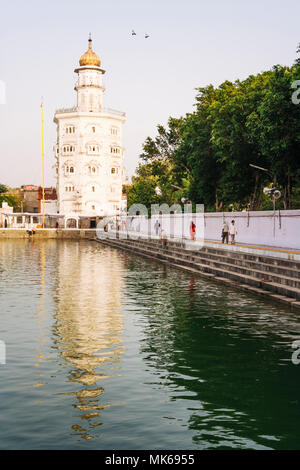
[{"x": 107, "y": 350}]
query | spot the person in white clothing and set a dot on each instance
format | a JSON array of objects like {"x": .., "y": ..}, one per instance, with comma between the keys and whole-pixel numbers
[
  {"x": 164, "y": 238},
  {"x": 225, "y": 232},
  {"x": 232, "y": 231},
  {"x": 157, "y": 228}
]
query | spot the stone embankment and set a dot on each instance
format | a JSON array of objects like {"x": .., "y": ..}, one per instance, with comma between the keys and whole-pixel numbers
[
  {"x": 271, "y": 276},
  {"x": 74, "y": 234}
]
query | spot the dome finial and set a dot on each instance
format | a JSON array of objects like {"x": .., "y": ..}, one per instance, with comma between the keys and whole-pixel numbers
[{"x": 89, "y": 57}]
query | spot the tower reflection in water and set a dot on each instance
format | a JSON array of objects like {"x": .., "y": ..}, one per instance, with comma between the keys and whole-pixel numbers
[{"x": 89, "y": 325}]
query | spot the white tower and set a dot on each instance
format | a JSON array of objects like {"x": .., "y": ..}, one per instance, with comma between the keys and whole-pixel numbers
[{"x": 89, "y": 153}]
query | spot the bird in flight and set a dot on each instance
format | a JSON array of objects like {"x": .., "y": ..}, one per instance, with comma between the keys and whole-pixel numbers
[
  {"x": 133, "y": 33},
  {"x": 146, "y": 36}
]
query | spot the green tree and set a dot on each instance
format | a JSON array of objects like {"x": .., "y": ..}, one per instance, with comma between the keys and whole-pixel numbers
[
  {"x": 195, "y": 152},
  {"x": 159, "y": 169},
  {"x": 206, "y": 155},
  {"x": 3, "y": 188},
  {"x": 275, "y": 126}
]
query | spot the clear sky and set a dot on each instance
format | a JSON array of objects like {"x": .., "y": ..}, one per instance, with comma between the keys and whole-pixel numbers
[{"x": 192, "y": 43}]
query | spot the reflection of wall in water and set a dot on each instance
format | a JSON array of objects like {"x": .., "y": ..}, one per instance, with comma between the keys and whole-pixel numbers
[
  {"x": 217, "y": 352},
  {"x": 89, "y": 322}
]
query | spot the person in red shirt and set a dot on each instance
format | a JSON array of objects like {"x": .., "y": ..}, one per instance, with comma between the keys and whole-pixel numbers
[{"x": 193, "y": 230}]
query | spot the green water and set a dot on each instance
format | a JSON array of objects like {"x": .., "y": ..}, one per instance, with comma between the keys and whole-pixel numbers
[{"x": 107, "y": 350}]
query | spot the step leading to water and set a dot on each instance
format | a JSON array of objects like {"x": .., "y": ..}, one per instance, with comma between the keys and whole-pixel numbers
[{"x": 270, "y": 276}]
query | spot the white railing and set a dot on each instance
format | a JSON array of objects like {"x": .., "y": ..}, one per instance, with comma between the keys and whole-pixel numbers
[
  {"x": 66, "y": 110},
  {"x": 113, "y": 111},
  {"x": 103, "y": 110}
]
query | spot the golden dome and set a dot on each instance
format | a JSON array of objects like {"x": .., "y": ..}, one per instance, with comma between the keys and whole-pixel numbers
[{"x": 89, "y": 57}]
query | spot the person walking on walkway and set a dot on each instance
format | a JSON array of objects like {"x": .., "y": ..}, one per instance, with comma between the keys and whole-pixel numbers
[
  {"x": 193, "y": 230},
  {"x": 157, "y": 227},
  {"x": 233, "y": 232},
  {"x": 164, "y": 238},
  {"x": 225, "y": 232}
]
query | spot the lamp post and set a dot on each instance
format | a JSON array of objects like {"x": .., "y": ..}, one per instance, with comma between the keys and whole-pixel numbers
[
  {"x": 259, "y": 168},
  {"x": 273, "y": 193},
  {"x": 185, "y": 200},
  {"x": 269, "y": 191}
]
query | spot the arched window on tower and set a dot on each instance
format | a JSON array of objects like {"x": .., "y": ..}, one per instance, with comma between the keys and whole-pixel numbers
[
  {"x": 69, "y": 168},
  {"x": 114, "y": 130},
  {"x": 93, "y": 170},
  {"x": 68, "y": 149},
  {"x": 70, "y": 130},
  {"x": 115, "y": 150},
  {"x": 91, "y": 102},
  {"x": 93, "y": 149}
]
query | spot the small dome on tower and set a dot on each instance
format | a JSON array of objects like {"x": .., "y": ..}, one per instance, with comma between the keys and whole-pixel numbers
[{"x": 89, "y": 57}]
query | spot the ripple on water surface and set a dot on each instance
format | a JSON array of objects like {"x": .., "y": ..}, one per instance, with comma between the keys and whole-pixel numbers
[{"x": 109, "y": 350}]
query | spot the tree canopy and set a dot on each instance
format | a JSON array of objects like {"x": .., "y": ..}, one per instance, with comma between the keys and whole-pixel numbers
[
  {"x": 205, "y": 156},
  {"x": 10, "y": 196}
]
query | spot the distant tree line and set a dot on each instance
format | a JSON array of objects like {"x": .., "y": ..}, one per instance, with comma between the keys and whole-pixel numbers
[
  {"x": 10, "y": 196},
  {"x": 205, "y": 156}
]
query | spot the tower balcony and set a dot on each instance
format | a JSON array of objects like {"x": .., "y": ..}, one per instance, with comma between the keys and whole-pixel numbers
[
  {"x": 66, "y": 110},
  {"x": 104, "y": 110},
  {"x": 115, "y": 112}
]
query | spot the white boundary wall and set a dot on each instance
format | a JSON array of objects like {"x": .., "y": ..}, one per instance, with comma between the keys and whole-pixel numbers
[{"x": 280, "y": 229}]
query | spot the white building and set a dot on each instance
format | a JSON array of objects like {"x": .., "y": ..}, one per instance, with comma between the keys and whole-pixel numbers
[
  {"x": 89, "y": 152},
  {"x": 5, "y": 217}
]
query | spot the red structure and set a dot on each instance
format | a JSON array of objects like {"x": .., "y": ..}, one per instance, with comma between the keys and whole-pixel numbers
[
  {"x": 50, "y": 195},
  {"x": 33, "y": 197}
]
